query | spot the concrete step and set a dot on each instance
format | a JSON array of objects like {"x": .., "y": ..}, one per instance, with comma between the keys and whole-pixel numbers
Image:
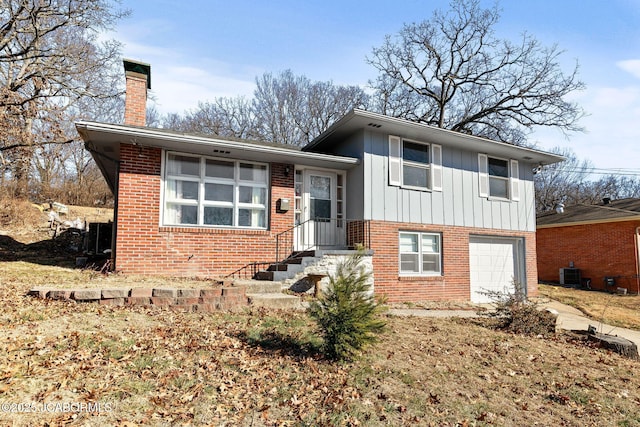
[
  {"x": 275, "y": 301},
  {"x": 290, "y": 272},
  {"x": 259, "y": 286}
]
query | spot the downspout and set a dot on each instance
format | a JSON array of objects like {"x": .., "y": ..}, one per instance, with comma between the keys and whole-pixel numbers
[
  {"x": 114, "y": 229},
  {"x": 637, "y": 248}
]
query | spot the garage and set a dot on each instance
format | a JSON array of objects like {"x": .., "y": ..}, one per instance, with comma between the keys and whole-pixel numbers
[{"x": 494, "y": 263}]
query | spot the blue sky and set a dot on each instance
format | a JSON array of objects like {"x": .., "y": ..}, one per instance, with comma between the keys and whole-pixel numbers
[{"x": 199, "y": 50}]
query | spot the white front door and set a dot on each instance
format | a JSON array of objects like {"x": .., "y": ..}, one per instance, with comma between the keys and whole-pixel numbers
[{"x": 319, "y": 225}]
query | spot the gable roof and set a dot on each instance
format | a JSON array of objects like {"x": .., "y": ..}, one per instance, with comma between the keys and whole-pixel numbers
[
  {"x": 614, "y": 211},
  {"x": 360, "y": 119},
  {"x": 103, "y": 141}
]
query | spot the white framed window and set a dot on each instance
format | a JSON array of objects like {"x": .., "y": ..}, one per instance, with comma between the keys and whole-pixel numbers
[
  {"x": 498, "y": 177},
  {"x": 420, "y": 253},
  {"x": 414, "y": 164},
  {"x": 205, "y": 191}
]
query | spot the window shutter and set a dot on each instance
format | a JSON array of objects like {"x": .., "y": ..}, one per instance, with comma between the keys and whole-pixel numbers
[
  {"x": 514, "y": 181},
  {"x": 436, "y": 167},
  {"x": 483, "y": 175},
  {"x": 395, "y": 160}
]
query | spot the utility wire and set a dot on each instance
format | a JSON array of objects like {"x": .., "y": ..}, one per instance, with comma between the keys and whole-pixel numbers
[{"x": 601, "y": 171}]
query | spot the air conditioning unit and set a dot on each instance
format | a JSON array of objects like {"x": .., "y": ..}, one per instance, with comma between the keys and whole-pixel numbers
[{"x": 569, "y": 276}]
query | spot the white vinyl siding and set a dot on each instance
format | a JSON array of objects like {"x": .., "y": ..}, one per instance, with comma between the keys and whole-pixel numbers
[
  {"x": 204, "y": 191},
  {"x": 415, "y": 165},
  {"x": 420, "y": 254}
]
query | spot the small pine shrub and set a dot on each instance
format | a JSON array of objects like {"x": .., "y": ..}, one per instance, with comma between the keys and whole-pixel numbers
[
  {"x": 514, "y": 313},
  {"x": 346, "y": 314}
]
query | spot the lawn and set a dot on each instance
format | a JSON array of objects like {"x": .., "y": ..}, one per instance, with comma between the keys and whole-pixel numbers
[{"x": 144, "y": 366}]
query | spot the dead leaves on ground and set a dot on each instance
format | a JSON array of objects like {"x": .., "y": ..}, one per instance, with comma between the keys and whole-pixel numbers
[{"x": 166, "y": 368}]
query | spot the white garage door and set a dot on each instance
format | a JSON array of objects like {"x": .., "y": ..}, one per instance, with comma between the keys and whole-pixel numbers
[{"x": 494, "y": 263}]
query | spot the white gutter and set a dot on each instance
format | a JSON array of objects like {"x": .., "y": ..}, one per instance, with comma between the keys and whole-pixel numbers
[{"x": 158, "y": 134}]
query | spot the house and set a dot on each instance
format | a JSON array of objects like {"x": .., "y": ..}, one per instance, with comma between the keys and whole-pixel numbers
[
  {"x": 445, "y": 215},
  {"x": 591, "y": 245}
]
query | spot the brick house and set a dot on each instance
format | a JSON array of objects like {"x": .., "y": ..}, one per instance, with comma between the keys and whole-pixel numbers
[
  {"x": 446, "y": 215},
  {"x": 597, "y": 243}
]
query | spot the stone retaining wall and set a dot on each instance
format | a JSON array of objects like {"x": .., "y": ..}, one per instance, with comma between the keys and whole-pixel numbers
[{"x": 202, "y": 300}]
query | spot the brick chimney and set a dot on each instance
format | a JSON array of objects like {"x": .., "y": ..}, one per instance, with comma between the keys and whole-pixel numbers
[{"x": 138, "y": 76}]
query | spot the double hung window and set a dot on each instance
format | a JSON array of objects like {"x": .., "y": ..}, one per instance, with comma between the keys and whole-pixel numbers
[
  {"x": 498, "y": 178},
  {"x": 213, "y": 192},
  {"x": 415, "y": 165},
  {"x": 420, "y": 253}
]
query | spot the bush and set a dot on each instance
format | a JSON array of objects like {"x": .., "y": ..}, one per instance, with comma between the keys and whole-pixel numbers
[
  {"x": 518, "y": 315},
  {"x": 346, "y": 314}
]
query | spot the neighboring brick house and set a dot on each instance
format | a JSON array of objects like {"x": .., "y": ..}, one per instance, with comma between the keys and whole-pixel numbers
[
  {"x": 594, "y": 245},
  {"x": 446, "y": 215}
]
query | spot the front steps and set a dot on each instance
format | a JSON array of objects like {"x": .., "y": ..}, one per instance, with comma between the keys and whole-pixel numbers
[
  {"x": 289, "y": 268},
  {"x": 261, "y": 293}
]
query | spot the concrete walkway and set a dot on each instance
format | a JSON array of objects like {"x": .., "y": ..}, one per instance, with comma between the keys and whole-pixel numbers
[
  {"x": 569, "y": 319},
  {"x": 572, "y": 319}
]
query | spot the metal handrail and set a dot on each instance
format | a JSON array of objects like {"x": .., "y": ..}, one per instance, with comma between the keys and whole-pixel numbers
[
  {"x": 323, "y": 232},
  {"x": 313, "y": 234},
  {"x": 253, "y": 266}
]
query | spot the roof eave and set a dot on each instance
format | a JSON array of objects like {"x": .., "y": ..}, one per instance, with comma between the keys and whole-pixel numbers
[
  {"x": 396, "y": 126},
  {"x": 143, "y": 136},
  {"x": 589, "y": 222}
]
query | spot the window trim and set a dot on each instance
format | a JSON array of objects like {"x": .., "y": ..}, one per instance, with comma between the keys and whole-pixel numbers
[
  {"x": 397, "y": 163},
  {"x": 512, "y": 180},
  {"x": 202, "y": 181},
  {"x": 505, "y": 179},
  {"x": 420, "y": 254},
  {"x": 417, "y": 165}
]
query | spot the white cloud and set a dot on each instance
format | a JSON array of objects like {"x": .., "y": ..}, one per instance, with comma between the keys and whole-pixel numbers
[
  {"x": 618, "y": 98},
  {"x": 178, "y": 81},
  {"x": 631, "y": 66},
  {"x": 177, "y": 89},
  {"x": 612, "y": 131}
]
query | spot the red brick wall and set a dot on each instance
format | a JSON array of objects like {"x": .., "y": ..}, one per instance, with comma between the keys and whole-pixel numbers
[
  {"x": 454, "y": 284},
  {"x": 598, "y": 250},
  {"x": 135, "y": 108},
  {"x": 143, "y": 246}
]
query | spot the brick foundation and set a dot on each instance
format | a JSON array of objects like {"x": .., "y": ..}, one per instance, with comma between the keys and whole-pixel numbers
[{"x": 454, "y": 283}]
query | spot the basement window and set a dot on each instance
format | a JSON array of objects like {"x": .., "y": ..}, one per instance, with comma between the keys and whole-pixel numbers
[
  {"x": 203, "y": 191},
  {"x": 420, "y": 254}
]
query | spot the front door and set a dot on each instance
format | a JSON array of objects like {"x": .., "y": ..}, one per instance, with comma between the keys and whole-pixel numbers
[{"x": 319, "y": 222}]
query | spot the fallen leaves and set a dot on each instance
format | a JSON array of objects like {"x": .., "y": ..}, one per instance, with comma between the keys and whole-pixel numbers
[{"x": 260, "y": 368}]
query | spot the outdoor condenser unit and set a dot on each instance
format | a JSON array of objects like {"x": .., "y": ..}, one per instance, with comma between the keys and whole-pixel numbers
[{"x": 569, "y": 276}]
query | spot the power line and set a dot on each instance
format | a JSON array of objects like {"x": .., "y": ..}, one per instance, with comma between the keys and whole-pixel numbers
[{"x": 601, "y": 171}]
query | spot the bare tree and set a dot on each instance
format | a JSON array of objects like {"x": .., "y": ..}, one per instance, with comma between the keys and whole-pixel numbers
[
  {"x": 285, "y": 108},
  {"x": 573, "y": 182},
  {"x": 293, "y": 110},
  {"x": 50, "y": 60},
  {"x": 230, "y": 117},
  {"x": 563, "y": 182},
  {"x": 452, "y": 72}
]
